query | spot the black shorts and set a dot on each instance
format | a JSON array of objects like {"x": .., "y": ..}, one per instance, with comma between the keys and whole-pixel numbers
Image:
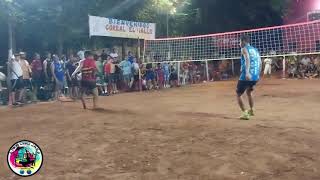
[
  {"x": 37, "y": 83},
  {"x": 173, "y": 77},
  {"x": 16, "y": 84},
  {"x": 136, "y": 77},
  {"x": 88, "y": 85},
  {"x": 27, "y": 84},
  {"x": 73, "y": 82},
  {"x": 245, "y": 85}
]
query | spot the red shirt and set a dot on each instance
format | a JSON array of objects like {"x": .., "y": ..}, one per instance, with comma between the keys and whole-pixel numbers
[
  {"x": 107, "y": 68},
  {"x": 89, "y": 69},
  {"x": 37, "y": 69}
]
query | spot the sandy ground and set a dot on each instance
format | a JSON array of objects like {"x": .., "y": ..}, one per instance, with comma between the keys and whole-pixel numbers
[{"x": 189, "y": 133}]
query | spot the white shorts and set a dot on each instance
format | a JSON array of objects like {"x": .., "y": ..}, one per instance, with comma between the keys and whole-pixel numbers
[{"x": 267, "y": 69}]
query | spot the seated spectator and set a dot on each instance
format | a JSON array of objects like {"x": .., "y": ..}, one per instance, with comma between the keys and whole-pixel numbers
[
  {"x": 301, "y": 71},
  {"x": 305, "y": 60}
]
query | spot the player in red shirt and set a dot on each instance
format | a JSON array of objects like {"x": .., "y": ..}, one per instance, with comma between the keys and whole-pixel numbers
[{"x": 88, "y": 81}]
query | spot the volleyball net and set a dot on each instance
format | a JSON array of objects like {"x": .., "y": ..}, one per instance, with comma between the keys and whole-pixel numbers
[{"x": 280, "y": 43}]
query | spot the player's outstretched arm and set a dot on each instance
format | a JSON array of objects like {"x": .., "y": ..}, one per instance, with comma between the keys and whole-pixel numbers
[{"x": 78, "y": 68}]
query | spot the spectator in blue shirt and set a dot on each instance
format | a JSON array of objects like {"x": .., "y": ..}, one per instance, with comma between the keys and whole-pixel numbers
[{"x": 127, "y": 67}]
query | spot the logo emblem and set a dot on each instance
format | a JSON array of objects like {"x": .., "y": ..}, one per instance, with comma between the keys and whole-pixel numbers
[{"x": 25, "y": 158}]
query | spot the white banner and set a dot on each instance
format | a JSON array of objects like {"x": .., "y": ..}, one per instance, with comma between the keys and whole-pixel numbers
[{"x": 100, "y": 26}]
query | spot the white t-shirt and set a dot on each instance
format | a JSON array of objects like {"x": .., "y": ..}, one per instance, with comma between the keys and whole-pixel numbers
[
  {"x": 305, "y": 61},
  {"x": 16, "y": 70},
  {"x": 268, "y": 61},
  {"x": 135, "y": 67},
  {"x": 114, "y": 55},
  {"x": 81, "y": 55}
]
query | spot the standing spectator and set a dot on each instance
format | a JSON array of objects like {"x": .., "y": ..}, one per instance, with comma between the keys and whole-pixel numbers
[
  {"x": 130, "y": 57},
  {"x": 150, "y": 77},
  {"x": 173, "y": 77},
  {"x": 166, "y": 70},
  {"x": 48, "y": 73},
  {"x": 126, "y": 68},
  {"x": 100, "y": 76},
  {"x": 16, "y": 79},
  {"x": 37, "y": 74},
  {"x": 109, "y": 70},
  {"x": 26, "y": 74},
  {"x": 136, "y": 77},
  {"x": 73, "y": 83},
  {"x": 81, "y": 54},
  {"x": 267, "y": 67},
  {"x": 104, "y": 55},
  {"x": 63, "y": 61},
  {"x": 160, "y": 76},
  {"x": 185, "y": 72},
  {"x": 58, "y": 75},
  {"x": 114, "y": 55}
]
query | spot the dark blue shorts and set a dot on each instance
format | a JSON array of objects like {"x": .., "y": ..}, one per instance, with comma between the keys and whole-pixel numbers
[
  {"x": 245, "y": 85},
  {"x": 150, "y": 76}
]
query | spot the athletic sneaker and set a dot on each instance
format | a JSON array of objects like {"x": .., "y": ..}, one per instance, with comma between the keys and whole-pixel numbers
[
  {"x": 251, "y": 113},
  {"x": 245, "y": 115}
]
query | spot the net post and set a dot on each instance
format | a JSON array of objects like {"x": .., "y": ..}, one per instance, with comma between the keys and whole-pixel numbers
[
  {"x": 140, "y": 82},
  {"x": 232, "y": 62},
  {"x": 207, "y": 70},
  {"x": 178, "y": 72},
  {"x": 284, "y": 67}
]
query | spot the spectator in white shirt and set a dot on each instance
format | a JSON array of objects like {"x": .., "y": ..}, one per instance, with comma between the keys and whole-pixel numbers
[
  {"x": 114, "y": 54},
  {"x": 305, "y": 60},
  {"x": 267, "y": 66},
  {"x": 80, "y": 54},
  {"x": 16, "y": 79}
]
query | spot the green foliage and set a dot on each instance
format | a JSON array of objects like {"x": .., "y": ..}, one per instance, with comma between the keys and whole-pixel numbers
[{"x": 44, "y": 24}]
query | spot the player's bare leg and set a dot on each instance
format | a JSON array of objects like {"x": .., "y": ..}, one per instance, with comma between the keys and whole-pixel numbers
[
  {"x": 95, "y": 98},
  {"x": 245, "y": 113},
  {"x": 82, "y": 91},
  {"x": 251, "y": 103},
  {"x": 240, "y": 102}
]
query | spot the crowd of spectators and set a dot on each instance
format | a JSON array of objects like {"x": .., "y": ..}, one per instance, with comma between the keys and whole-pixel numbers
[
  {"x": 303, "y": 67},
  {"x": 50, "y": 78}
]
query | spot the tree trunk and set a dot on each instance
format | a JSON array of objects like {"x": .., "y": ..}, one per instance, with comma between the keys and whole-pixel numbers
[
  {"x": 13, "y": 36},
  {"x": 10, "y": 53}
]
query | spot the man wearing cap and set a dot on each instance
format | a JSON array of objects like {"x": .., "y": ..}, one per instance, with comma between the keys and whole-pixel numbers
[{"x": 26, "y": 73}]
